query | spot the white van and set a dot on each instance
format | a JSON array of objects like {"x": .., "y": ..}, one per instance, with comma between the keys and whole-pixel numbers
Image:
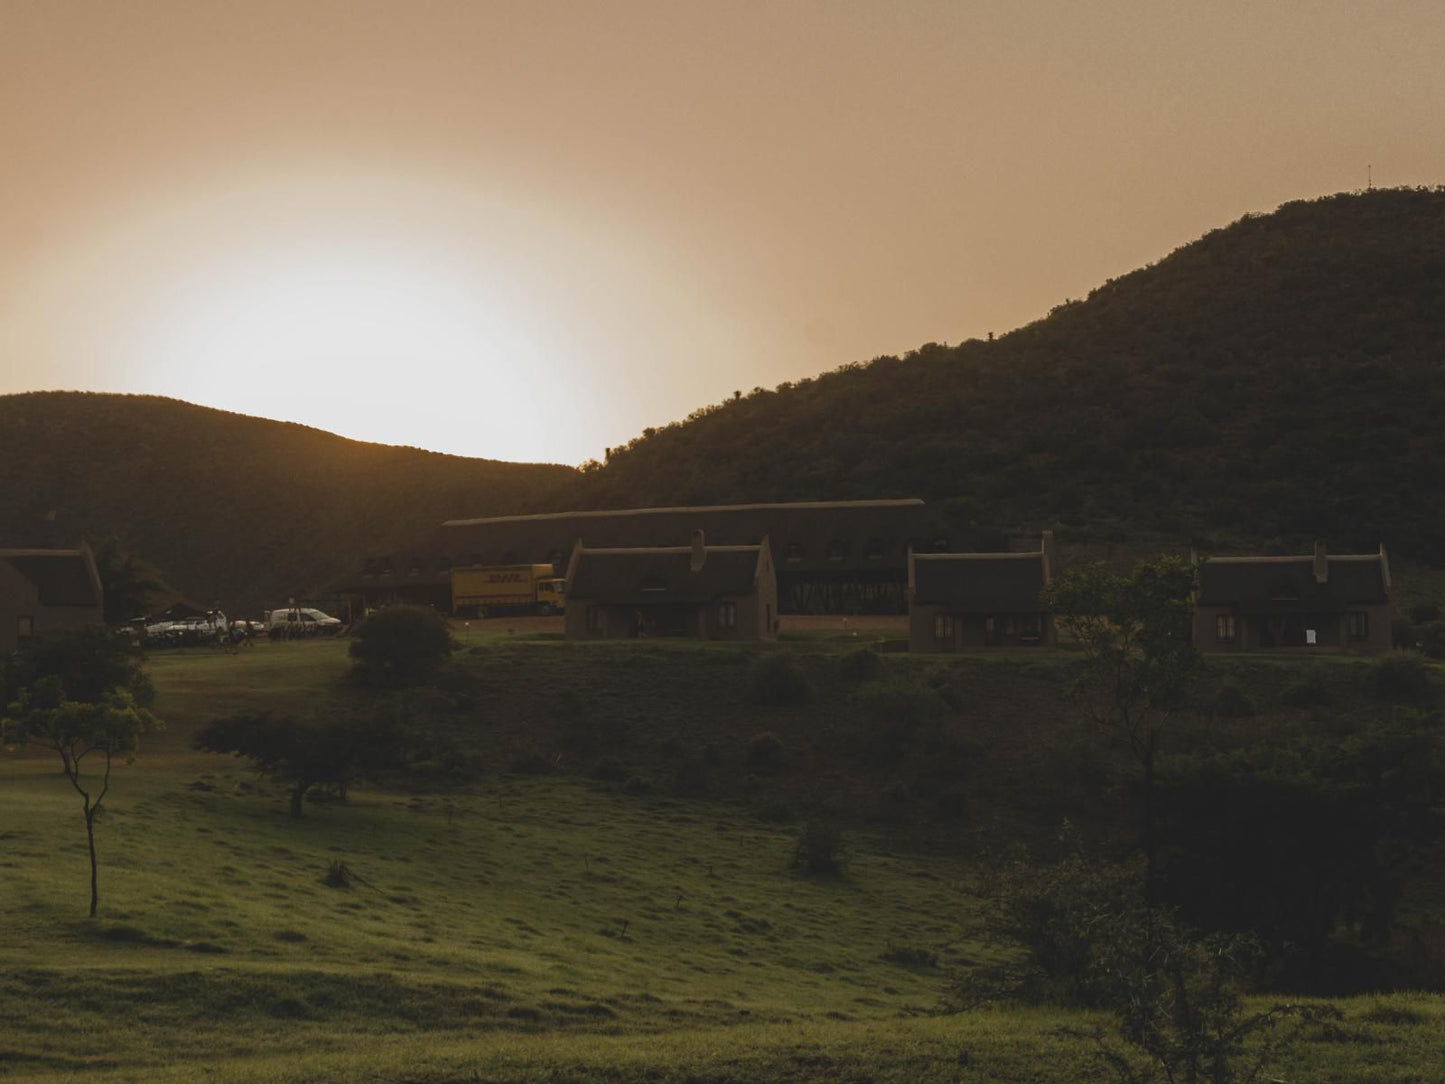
[{"x": 291, "y": 622}]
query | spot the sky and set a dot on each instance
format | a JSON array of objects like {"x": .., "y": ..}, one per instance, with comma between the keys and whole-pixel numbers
[{"x": 528, "y": 230}]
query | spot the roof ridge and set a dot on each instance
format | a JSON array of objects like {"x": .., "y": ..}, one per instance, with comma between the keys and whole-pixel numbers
[{"x": 895, "y": 502}]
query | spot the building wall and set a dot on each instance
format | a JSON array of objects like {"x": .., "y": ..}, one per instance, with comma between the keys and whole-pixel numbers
[
  {"x": 971, "y": 630},
  {"x": 753, "y": 614},
  {"x": 1332, "y": 631},
  {"x": 19, "y": 599}
]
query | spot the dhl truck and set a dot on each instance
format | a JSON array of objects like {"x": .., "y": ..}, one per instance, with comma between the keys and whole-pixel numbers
[{"x": 480, "y": 591}]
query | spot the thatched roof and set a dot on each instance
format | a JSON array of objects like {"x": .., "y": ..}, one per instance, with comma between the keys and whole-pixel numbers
[
  {"x": 980, "y": 582},
  {"x": 650, "y": 576},
  {"x": 61, "y": 577},
  {"x": 1289, "y": 584},
  {"x": 805, "y": 535}
]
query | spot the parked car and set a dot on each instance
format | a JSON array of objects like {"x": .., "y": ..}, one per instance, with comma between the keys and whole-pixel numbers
[{"x": 296, "y": 621}]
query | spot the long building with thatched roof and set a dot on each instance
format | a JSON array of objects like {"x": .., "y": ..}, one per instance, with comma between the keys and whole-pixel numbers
[{"x": 831, "y": 556}]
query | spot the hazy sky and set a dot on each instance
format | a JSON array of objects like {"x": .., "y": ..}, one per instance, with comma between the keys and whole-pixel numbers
[{"x": 528, "y": 230}]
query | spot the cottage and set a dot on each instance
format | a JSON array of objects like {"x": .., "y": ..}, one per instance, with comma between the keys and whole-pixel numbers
[
  {"x": 700, "y": 591},
  {"x": 1319, "y": 602},
  {"x": 963, "y": 600},
  {"x": 44, "y": 591}
]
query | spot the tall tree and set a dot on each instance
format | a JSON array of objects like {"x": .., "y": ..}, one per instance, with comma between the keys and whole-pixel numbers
[
  {"x": 1135, "y": 632},
  {"x": 82, "y": 696}
]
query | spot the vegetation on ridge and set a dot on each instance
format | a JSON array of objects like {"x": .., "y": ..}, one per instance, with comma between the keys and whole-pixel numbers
[{"x": 1277, "y": 379}]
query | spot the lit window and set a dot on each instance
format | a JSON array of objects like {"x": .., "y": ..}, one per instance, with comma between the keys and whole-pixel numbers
[
  {"x": 1357, "y": 623},
  {"x": 1224, "y": 628},
  {"x": 943, "y": 627}
]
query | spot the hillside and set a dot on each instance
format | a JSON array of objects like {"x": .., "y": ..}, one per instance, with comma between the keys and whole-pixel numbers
[
  {"x": 1275, "y": 380},
  {"x": 230, "y": 508}
]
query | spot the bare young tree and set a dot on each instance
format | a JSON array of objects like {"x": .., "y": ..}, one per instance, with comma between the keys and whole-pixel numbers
[{"x": 99, "y": 730}]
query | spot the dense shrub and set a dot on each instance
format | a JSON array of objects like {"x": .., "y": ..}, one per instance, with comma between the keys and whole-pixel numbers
[
  {"x": 819, "y": 848},
  {"x": 1231, "y": 701},
  {"x": 778, "y": 681},
  {"x": 400, "y": 645},
  {"x": 766, "y": 752},
  {"x": 1401, "y": 678},
  {"x": 861, "y": 665},
  {"x": 1431, "y": 638},
  {"x": 1309, "y": 689}
]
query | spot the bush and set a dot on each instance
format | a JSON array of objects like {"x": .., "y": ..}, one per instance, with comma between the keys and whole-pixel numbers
[
  {"x": 1231, "y": 701},
  {"x": 1309, "y": 689},
  {"x": 399, "y": 646},
  {"x": 1401, "y": 678},
  {"x": 820, "y": 847},
  {"x": 778, "y": 681},
  {"x": 766, "y": 752},
  {"x": 860, "y": 665},
  {"x": 1432, "y": 639}
]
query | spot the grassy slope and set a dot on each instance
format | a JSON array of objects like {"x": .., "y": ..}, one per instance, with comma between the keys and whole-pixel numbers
[{"x": 483, "y": 936}]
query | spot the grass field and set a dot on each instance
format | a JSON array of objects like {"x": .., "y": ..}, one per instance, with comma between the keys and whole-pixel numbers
[{"x": 526, "y": 928}]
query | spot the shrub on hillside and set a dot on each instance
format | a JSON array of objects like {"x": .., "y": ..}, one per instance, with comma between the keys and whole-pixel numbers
[
  {"x": 1231, "y": 701},
  {"x": 819, "y": 849},
  {"x": 861, "y": 665},
  {"x": 1431, "y": 638},
  {"x": 399, "y": 646},
  {"x": 766, "y": 752},
  {"x": 1309, "y": 689},
  {"x": 1401, "y": 678},
  {"x": 778, "y": 681}
]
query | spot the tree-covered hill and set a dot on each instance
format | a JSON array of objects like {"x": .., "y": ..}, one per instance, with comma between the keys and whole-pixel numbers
[
  {"x": 1280, "y": 378},
  {"x": 229, "y": 508}
]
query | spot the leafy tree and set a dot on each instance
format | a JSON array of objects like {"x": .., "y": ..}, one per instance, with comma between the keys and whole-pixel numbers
[
  {"x": 1139, "y": 657},
  {"x": 1090, "y": 938},
  {"x": 307, "y": 752},
  {"x": 400, "y": 646},
  {"x": 82, "y": 696}
]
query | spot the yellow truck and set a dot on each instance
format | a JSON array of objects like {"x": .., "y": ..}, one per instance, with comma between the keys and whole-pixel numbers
[{"x": 483, "y": 590}]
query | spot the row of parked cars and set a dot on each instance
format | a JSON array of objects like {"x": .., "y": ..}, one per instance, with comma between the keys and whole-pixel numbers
[{"x": 288, "y": 623}]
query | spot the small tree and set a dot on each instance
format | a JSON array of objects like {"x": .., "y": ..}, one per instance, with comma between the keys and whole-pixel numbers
[
  {"x": 327, "y": 751},
  {"x": 400, "y": 646},
  {"x": 1135, "y": 631},
  {"x": 82, "y": 696}
]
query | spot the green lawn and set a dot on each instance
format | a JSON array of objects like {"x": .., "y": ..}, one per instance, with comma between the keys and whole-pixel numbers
[{"x": 531, "y": 929}]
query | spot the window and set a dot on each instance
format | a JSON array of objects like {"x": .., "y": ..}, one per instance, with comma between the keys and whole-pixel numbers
[
  {"x": 594, "y": 618},
  {"x": 1357, "y": 624},
  {"x": 943, "y": 627},
  {"x": 875, "y": 550},
  {"x": 652, "y": 583},
  {"x": 1030, "y": 630},
  {"x": 990, "y": 630},
  {"x": 794, "y": 553},
  {"x": 837, "y": 550},
  {"x": 1224, "y": 628},
  {"x": 24, "y": 628},
  {"x": 727, "y": 615}
]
